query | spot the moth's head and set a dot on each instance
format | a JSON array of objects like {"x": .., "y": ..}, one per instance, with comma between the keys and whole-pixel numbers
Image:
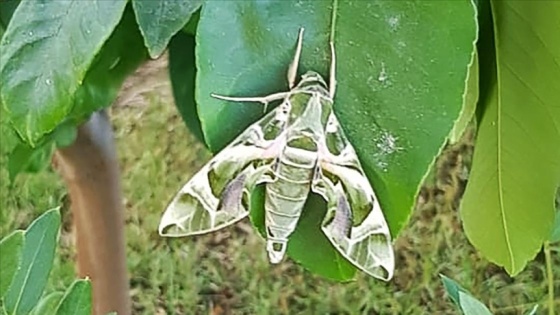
[{"x": 312, "y": 78}]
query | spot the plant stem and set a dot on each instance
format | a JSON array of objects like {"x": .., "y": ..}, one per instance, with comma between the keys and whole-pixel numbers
[
  {"x": 90, "y": 170},
  {"x": 549, "y": 277}
]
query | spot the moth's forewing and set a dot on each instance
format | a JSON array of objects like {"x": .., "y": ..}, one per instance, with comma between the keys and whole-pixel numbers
[{"x": 211, "y": 199}]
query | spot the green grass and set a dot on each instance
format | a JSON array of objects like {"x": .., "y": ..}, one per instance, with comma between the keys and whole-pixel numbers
[{"x": 228, "y": 272}]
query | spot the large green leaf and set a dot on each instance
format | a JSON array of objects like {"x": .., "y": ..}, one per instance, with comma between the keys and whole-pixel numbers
[
  {"x": 36, "y": 263},
  {"x": 76, "y": 300},
  {"x": 10, "y": 259},
  {"x": 508, "y": 207},
  {"x": 402, "y": 68},
  {"x": 46, "y": 52},
  {"x": 120, "y": 56},
  {"x": 160, "y": 20}
]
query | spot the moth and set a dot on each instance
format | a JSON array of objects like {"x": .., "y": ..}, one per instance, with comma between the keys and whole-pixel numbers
[{"x": 297, "y": 148}]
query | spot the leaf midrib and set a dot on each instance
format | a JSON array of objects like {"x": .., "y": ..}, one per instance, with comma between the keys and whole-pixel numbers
[{"x": 499, "y": 139}]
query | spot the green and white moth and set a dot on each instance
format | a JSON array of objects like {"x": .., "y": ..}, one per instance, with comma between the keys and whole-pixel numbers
[{"x": 295, "y": 149}]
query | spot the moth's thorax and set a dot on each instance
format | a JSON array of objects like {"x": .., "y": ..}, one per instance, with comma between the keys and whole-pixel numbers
[
  {"x": 309, "y": 113},
  {"x": 313, "y": 82}
]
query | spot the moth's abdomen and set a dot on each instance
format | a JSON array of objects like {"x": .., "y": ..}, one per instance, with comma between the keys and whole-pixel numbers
[{"x": 286, "y": 196}]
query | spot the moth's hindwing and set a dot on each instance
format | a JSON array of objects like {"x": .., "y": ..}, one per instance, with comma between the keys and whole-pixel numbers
[
  {"x": 354, "y": 223},
  {"x": 212, "y": 199}
]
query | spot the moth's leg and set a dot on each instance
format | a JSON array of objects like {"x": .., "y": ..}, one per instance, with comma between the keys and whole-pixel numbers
[
  {"x": 261, "y": 99},
  {"x": 332, "y": 83},
  {"x": 292, "y": 70}
]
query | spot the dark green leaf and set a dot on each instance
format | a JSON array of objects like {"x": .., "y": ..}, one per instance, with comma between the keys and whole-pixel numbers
[
  {"x": 48, "y": 304},
  {"x": 36, "y": 263},
  {"x": 7, "y": 8},
  {"x": 76, "y": 300},
  {"x": 27, "y": 159},
  {"x": 402, "y": 68},
  {"x": 160, "y": 20},
  {"x": 182, "y": 71},
  {"x": 308, "y": 245},
  {"x": 65, "y": 134},
  {"x": 507, "y": 209},
  {"x": 191, "y": 26},
  {"x": 46, "y": 52},
  {"x": 120, "y": 56},
  {"x": 10, "y": 259}
]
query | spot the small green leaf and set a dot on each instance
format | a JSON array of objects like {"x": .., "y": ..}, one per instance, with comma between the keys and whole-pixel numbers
[
  {"x": 10, "y": 259},
  {"x": 533, "y": 311},
  {"x": 36, "y": 263},
  {"x": 160, "y": 20},
  {"x": 462, "y": 298},
  {"x": 507, "y": 209},
  {"x": 48, "y": 304},
  {"x": 182, "y": 71},
  {"x": 65, "y": 134},
  {"x": 24, "y": 158},
  {"x": 46, "y": 51},
  {"x": 472, "y": 306},
  {"x": 76, "y": 300},
  {"x": 452, "y": 288}
]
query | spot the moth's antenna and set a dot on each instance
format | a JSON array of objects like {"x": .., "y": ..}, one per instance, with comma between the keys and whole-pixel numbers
[
  {"x": 332, "y": 79},
  {"x": 292, "y": 70}
]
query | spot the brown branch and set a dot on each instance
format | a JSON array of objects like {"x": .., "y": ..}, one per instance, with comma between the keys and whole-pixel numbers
[{"x": 91, "y": 173}]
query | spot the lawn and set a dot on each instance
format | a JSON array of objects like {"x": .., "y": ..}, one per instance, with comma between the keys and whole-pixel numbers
[{"x": 228, "y": 272}]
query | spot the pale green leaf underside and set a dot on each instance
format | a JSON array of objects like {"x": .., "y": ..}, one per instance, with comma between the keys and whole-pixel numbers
[
  {"x": 472, "y": 306},
  {"x": 508, "y": 207}
]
